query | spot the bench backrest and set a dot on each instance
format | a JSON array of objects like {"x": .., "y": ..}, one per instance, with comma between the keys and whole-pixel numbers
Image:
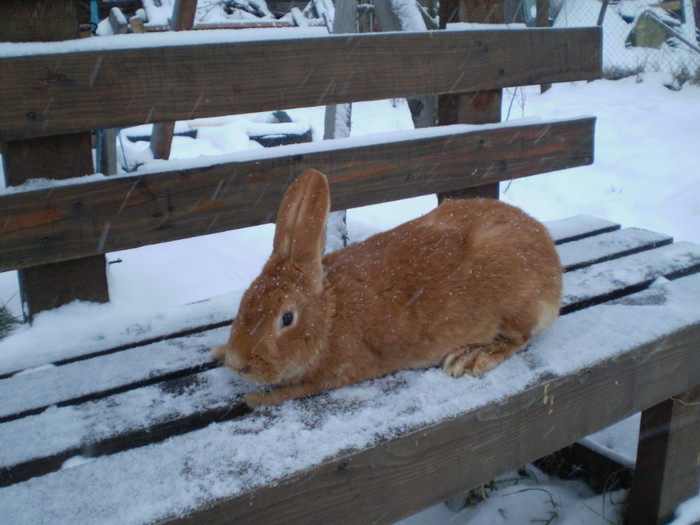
[{"x": 75, "y": 86}]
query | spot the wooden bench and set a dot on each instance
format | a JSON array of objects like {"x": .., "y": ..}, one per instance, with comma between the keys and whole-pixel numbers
[{"x": 128, "y": 421}]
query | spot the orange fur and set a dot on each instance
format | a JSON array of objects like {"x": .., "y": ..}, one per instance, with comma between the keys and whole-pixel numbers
[{"x": 465, "y": 286}]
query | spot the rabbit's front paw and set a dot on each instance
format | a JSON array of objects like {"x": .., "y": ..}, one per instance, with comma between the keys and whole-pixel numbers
[
  {"x": 218, "y": 353},
  {"x": 254, "y": 400}
]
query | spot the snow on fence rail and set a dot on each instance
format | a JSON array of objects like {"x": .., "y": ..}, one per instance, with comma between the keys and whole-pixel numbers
[
  {"x": 52, "y": 91},
  {"x": 116, "y": 213}
]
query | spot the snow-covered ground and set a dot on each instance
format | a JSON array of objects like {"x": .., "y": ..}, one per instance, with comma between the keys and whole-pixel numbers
[{"x": 645, "y": 174}]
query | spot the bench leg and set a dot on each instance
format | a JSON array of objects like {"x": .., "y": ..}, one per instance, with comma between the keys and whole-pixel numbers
[{"x": 668, "y": 459}]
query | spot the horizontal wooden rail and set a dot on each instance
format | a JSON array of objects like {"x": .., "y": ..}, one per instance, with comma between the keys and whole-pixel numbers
[
  {"x": 66, "y": 222},
  {"x": 65, "y": 92}
]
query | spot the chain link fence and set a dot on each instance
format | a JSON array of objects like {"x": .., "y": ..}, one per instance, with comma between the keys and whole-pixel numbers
[{"x": 639, "y": 35}]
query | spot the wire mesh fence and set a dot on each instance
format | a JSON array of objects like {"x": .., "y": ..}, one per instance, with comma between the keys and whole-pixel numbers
[{"x": 638, "y": 35}]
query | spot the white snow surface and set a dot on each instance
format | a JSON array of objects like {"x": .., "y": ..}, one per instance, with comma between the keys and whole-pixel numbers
[
  {"x": 408, "y": 14},
  {"x": 530, "y": 496},
  {"x": 164, "y": 39},
  {"x": 688, "y": 512}
]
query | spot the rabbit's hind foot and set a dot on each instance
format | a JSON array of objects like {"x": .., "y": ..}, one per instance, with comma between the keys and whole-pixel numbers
[{"x": 477, "y": 359}]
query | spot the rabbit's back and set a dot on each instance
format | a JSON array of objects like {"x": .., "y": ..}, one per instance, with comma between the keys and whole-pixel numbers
[{"x": 464, "y": 274}]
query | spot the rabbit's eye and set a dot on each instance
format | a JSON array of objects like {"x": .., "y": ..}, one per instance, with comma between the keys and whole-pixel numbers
[{"x": 287, "y": 318}]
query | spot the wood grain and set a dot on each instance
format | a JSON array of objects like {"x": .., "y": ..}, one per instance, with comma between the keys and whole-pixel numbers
[
  {"x": 668, "y": 459},
  {"x": 404, "y": 475},
  {"x": 38, "y": 21},
  {"x": 125, "y": 212},
  {"x": 476, "y": 107},
  {"x": 60, "y": 93},
  {"x": 162, "y": 134},
  {"x": 45, "y": 287}
]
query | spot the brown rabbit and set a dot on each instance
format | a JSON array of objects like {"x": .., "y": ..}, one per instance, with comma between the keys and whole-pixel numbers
[{"x": 464, "y": 286}]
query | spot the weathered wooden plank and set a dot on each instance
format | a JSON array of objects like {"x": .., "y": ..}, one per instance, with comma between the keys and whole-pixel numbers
[
  {"x": 475, "y": 107},
  {"x": 65, "y": 92},
  {"x": 668, "y": 459},
  {"x": 579, "y": 227},
  {"x": 48, "y": 286},
  {"x": 105, "y": 375},
  {"x": 118, "y": 213},
  {"x": 37, "y": 444},
  {"x": 29, "y": 21},
  {"x": 614, "y": 278},
  {"x": 543, "y": 21},
  {"x": 404, "y": 475},
  {"x": 609, "y": 246}
]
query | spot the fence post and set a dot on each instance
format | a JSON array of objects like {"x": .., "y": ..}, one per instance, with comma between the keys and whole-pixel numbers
[
  {"x": 51, "y": 285},
  {"x": 338, "y": 123},
  {"x": 162, "y": 136},
  {"x": 423, "y": 107},
  {"x": 480, "y": 107},
  {"x": 543, "y": 21}
]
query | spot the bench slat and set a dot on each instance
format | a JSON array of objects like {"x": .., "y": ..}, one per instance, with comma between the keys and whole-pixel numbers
[
  {"x": 151, "y": 413},
  {"x": 38, "y": 444},
  {"x": 232, "y": 458},
  {"x": 101, "y": 376},
  {"x": 126, "y": 212},
  {"x": 607, "y": 280},
  {"x": 609, "y": 246},
  {"x": 578, "y": 227},
  {"x": 65, "y": 92}
]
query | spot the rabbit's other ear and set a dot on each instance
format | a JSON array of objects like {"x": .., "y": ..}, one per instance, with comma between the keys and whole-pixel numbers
[{"x": 301, "y": 222}]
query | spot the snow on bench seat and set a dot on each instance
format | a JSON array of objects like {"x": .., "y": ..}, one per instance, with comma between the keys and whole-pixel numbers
[
  {"x": 226, "y": 459},
  {"x": 578, "y": 227},
  {"x": 41, "y": 443},
  {"x": 153, "y": 424},
  {"x": 97, "y": 377},
  {"x": 604, "y": 280},
  {"x": 608, "y": 245}
]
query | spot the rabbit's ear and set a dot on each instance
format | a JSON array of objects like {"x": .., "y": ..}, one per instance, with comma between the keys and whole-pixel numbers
[{"x": 301, "y": 221}]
